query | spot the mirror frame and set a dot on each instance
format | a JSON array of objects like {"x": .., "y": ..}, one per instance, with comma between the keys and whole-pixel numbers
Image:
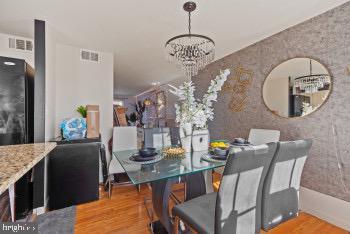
[{"x": 285, "y": 60}]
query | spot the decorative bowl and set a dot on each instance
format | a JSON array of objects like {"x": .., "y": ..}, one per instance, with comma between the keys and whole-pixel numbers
[
  {"x": 147, "y": 152},
  {"x": 221, "y": 151}
]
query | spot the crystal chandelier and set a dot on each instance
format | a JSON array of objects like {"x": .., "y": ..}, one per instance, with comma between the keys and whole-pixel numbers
[
  {"x": 191, "y": 51},
  {"x": 312, "y": 83}
]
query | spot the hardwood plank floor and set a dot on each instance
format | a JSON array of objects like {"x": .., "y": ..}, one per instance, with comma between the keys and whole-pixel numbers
[{"x": 125, "y": 213}]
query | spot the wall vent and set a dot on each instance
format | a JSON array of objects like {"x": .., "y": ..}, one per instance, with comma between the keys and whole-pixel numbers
[
  {"x": 29, "y": 45},
  {"x": 12, "y": 43},
  {"x": 89, "y": 55},
  {"x": 94, "y": 56},
  {"x": 20, "y": 44}
]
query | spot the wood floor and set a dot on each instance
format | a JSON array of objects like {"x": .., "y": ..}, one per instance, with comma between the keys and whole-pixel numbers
[{"x": 125, "y": 213}]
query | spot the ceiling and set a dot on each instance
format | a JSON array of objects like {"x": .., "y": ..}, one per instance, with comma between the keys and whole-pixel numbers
[{"x": 135, "y": 31}]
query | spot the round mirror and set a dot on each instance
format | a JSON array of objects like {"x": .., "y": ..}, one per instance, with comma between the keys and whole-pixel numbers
[{"x": 297, "y": 87}]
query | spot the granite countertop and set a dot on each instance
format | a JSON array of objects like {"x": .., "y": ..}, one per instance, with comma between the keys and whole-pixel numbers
[{"x": 16, "y": 160}]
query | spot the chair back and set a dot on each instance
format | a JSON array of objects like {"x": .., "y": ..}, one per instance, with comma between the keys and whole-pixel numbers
[
  {"x": 263, "y": 136},
  {"x": 238, "y": 203},
  {"x": 157, "y": 137},
  {"x": 281, "y": 187},
  {"x": 124, "y": 138},
  {"x": 175, "y": 136}
]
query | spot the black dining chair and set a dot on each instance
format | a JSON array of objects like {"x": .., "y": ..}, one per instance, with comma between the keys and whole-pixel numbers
[
  {"x": 104, "y": 167},
  {"x": 280, "y": 199},
  {"x": 236, "y": 207}
]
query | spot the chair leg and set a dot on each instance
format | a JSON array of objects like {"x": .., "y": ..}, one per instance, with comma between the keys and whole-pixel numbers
[
  {"x": 109, "y": 188},
  {"x": 105, "y": 185},
  {"x": 176, "y": 225}
]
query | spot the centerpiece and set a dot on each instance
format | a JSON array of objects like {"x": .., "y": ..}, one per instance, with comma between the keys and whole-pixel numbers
[
  {"x": 174, "y": 152},
  {"x": 193, "y": 114}
]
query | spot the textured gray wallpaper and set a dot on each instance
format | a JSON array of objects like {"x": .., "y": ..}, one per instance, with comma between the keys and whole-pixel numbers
[{"x": 325, "y": 38}]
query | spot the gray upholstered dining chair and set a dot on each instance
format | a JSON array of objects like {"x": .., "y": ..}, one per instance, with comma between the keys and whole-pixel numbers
[
  {"x": 161, "y": 137},
  {"x": 236, "y": 207},
  {"x": 281, "y": 187},
  {"x": 124, "y": 138},
  {"x": 157, "y": 137},
  {"x": 263, "y": 136},
  {"x": 259, "y": 137}
]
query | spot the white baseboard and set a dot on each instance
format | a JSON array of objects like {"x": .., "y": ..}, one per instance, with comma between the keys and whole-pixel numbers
[
  {"x": 39, "y": 210},
  {"x": 330, "y": 209}
]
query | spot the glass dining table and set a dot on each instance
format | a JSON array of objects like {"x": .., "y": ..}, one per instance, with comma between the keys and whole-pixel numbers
[{"x": 192, "y": 170}]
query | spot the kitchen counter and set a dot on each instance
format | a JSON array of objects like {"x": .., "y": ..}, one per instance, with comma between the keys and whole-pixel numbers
[{"x": 16, "y": 160}]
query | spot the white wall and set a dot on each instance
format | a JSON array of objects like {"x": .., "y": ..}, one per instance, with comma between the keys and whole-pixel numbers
[
  {"x": 71, "y": 82},
  {"x": 80, "y": 82},
  {"x": 325, "y": 207},
  {"x": 5, "y": 51},
  {"x": 50, "y": 83}
]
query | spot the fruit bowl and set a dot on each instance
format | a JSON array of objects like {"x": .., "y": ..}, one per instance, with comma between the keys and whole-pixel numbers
[{"x": 219, "y": 144}]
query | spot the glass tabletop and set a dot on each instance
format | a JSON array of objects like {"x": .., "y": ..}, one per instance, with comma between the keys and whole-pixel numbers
[{"x": 165, "y": 168}]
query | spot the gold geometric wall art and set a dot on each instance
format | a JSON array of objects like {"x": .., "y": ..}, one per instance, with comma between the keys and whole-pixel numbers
[{"x": 237, "y": 86}]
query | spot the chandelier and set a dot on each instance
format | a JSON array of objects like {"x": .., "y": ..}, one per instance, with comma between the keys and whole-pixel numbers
[
  {"x": 312, "y": 83},
  {"x": 192, "y": 52}
]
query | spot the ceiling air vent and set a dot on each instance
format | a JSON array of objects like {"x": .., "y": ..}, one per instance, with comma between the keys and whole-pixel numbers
[
  {"x": 20, "y": 44},
  {"x": 89, "y": 55}
]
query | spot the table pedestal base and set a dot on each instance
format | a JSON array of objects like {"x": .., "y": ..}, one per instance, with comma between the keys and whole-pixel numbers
[
  {"x": 157, "y": 227},
  {"x": 161, "y": 190}
]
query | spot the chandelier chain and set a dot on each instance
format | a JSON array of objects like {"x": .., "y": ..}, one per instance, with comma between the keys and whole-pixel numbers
[
  {"x": 189, "y": 23},
  {"x": 310, "y": 67}
]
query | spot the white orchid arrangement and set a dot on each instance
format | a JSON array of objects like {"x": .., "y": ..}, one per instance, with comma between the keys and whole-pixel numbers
[{"x": 193, "y": 111}]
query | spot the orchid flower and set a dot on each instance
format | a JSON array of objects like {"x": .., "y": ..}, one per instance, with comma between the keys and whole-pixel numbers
[{"x": 190, "y": 110}]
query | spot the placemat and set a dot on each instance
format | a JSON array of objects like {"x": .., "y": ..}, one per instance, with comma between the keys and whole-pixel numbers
[{"x": 206, "y": 157}]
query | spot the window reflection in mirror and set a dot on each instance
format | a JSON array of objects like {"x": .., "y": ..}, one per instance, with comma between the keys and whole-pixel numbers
[{"x": 297, "y": 87}]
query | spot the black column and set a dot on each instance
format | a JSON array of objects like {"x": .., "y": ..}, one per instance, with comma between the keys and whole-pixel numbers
[{"x": 39, "y": 109}]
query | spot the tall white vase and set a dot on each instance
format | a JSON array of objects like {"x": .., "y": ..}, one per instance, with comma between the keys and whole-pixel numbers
[
  {"x": 200, "y": 140},
  {"x": 186, "y": 136}
]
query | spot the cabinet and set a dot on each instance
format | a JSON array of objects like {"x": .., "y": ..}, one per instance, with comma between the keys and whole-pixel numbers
[{"x": 74, "y": 173}]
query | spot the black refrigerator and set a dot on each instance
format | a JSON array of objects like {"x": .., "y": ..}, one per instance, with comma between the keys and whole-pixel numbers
[{"x": 17, "y": 119}]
